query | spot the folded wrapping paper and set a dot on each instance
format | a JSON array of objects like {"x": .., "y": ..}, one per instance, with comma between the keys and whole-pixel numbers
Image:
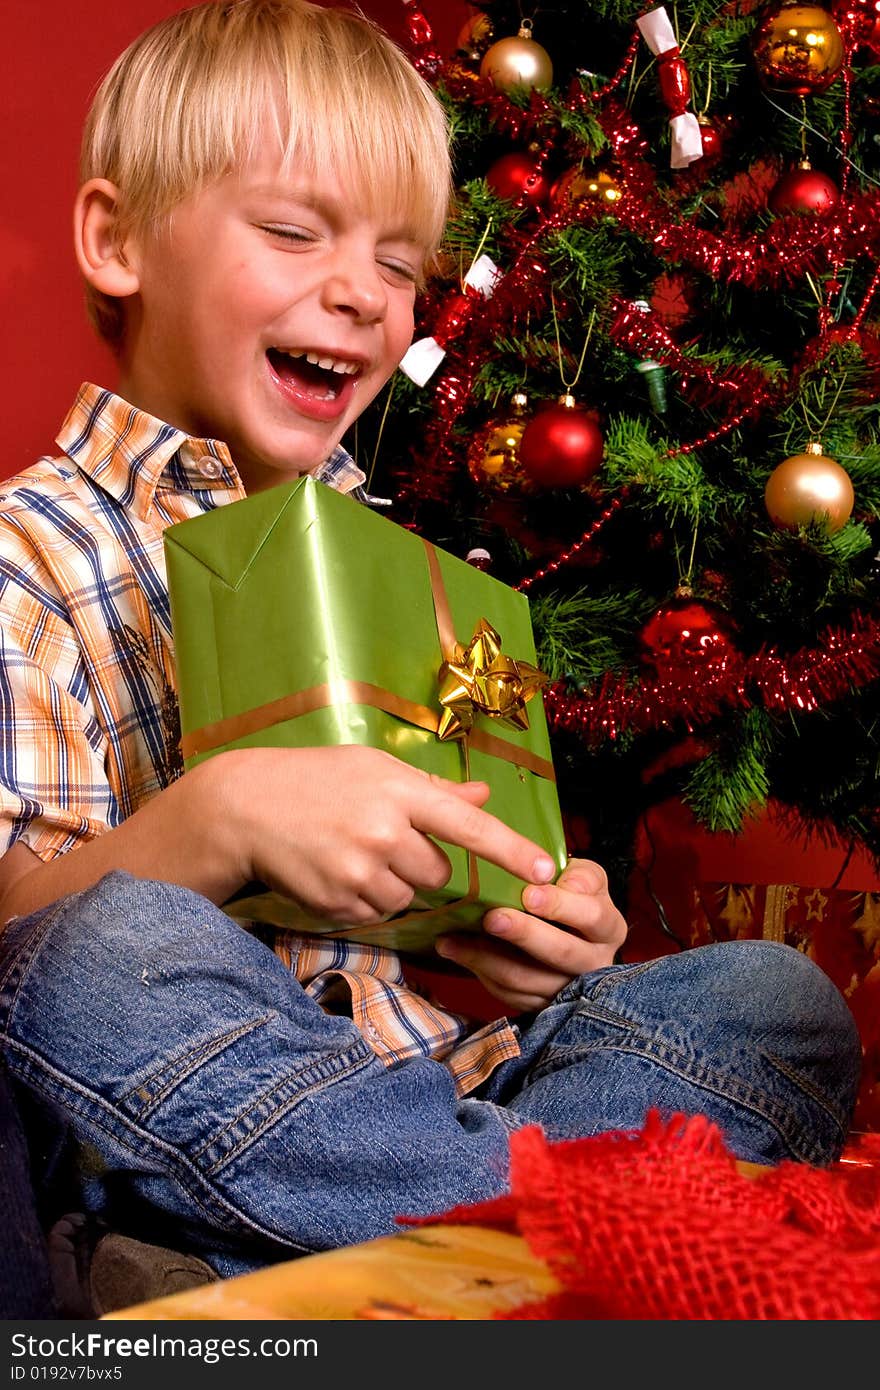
[
  {"x": 303, "y": 619},
  {"x": 442, "y": 1273}
]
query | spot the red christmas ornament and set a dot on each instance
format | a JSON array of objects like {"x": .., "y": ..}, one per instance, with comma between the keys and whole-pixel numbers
[
  {"x": 518, "y": 176},
  {"x": 803, "y": 189},
  {"x": 686, "y": 630},
  {"x": 712, "y": 136},
  {"x": 561, "y": 446}
]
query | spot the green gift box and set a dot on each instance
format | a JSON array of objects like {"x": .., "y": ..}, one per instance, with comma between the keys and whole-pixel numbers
[{"x": 302, "y": 618}]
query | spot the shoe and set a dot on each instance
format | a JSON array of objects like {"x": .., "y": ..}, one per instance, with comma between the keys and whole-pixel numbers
[{"x": 96, "y": 1271}]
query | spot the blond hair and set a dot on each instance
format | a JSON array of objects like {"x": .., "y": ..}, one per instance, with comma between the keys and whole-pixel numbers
[{"x": 187, "y": 101}]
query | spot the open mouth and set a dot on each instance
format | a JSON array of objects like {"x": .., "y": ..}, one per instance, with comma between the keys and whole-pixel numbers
[{"x": 312, "y": 376}]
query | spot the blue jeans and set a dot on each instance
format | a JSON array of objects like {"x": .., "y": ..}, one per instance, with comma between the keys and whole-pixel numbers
[{"x": 217, "y": 1108}]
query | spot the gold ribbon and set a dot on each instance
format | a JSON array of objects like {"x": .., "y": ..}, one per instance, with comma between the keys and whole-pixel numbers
[{"x": 481, "y": 678}]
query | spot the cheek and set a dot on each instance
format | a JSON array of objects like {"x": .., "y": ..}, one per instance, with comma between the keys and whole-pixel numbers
[{"x": 400, "y": 326}]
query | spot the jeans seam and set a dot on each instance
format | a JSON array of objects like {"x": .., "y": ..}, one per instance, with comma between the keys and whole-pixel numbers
[
  {"x": 786, "y": 1123},
  {"x": 804, "y": 1085},
  {"x": 615, "y": 974},
  {"x": 177, "y": 1071},
  {"x": 94, "y": 1110},
  {"x": 16, "y": 971},
  {"x": 298, "y": 1087}
]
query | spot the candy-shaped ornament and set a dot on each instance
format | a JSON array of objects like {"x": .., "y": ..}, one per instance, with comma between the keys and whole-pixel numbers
[
  {"x": 423, "y": 357},
  {"x": 675, "y": 87}
]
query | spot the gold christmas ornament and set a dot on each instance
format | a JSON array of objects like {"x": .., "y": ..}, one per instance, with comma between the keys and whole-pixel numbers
[
  {"x": 797, "y": 48},
  {"x": 493, "y": 456},
  {"x": 518, "y": 62},
  {"x": 578, "y": 185},
  {"x": 809, "y": 487}
]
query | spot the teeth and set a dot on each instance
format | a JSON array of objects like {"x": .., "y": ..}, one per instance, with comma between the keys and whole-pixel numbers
[{"x": 329, "y": 364}]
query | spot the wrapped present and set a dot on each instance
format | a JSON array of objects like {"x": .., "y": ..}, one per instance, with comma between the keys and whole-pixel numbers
[{"x": 303, "y": 619}]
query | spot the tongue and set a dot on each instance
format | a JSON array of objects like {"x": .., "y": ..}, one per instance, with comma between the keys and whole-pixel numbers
[{"x": 305, "y": 374}]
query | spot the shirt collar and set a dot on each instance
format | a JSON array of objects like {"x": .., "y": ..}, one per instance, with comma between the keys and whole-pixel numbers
[
  {"x": 340, "y": 471},
  {"x": 127, "y": 451}
]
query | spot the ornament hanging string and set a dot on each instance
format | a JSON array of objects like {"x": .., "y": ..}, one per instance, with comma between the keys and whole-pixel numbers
[
  {"x": 832, "y": 284},
  {"x": 817, "y": 433},
  {"x": 570, "y": 385},
  {"x": 391, "y": 385}
]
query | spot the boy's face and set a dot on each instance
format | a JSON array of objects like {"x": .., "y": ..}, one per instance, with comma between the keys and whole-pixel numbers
[{"x": 269, "y": 313}]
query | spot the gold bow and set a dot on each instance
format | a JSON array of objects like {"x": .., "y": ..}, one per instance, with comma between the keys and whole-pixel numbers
[{"x": 480, "y": 677}]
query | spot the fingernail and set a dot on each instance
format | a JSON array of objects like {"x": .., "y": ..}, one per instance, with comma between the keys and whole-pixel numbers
[
  {"x": 534, "y": 899},
  {"x": 444, "y": 948},
  {"x": 543, "y": 869},
  {"x": 499, "y": 924}
]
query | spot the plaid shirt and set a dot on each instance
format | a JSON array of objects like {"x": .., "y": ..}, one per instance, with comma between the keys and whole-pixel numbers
[{"x": 90, "y": 726}]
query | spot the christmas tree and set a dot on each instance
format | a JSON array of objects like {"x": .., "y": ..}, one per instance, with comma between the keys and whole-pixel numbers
[{"x": 645, "y": 383}]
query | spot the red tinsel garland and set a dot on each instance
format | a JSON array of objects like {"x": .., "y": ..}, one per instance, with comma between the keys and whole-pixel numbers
[
  {"x": 791, "y": 247},
  {"x": 702, "y": 382},
  {"x": 692, "y": 694}
]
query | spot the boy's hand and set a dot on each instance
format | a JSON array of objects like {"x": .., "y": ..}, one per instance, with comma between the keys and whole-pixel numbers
[
  {"x": 350, "y": 831},
  {"x": 572, "y": 927}
]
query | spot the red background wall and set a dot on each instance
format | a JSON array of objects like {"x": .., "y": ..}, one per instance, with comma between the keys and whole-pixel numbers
[{"x": 55, "y": 53}]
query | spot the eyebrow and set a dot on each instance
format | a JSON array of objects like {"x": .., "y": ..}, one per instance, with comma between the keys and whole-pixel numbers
[{"x": 327, "y": 207}]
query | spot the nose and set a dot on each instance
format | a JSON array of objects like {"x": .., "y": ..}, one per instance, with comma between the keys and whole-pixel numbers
[{"x": 354, "y": 286}]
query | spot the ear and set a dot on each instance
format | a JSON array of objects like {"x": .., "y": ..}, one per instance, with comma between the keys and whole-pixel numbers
[{"x": 99, "y": 252}]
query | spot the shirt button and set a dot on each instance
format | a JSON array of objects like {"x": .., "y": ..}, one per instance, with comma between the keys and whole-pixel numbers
[
  {"x": 373, "y": 1031},
  {"x": 210, "y": 468}
]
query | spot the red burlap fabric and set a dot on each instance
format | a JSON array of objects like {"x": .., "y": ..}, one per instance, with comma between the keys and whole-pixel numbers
[{"x": 660, "y": 1224}]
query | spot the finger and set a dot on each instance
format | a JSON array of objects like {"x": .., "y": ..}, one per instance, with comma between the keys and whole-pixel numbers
[
  {"x": 421, "y": 862},
  {"x": 387, "y": 893},
  {"x": 459, "y": 823},
  {"x": 545, "y": 945},
  {"x": 579, "y": 908},
  {"x": 475, "y": 792},
  {"x": 503, "y": 970},
  {"x": 583, "y": 876}
]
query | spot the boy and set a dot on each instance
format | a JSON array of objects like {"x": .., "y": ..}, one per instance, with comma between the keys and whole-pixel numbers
[{"x": 262, "y": 184}]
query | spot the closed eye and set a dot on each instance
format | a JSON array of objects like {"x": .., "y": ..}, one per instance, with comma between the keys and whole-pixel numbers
[
  {"x": 287, "y": 232},
  {"x": 401, "y": 269}
]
